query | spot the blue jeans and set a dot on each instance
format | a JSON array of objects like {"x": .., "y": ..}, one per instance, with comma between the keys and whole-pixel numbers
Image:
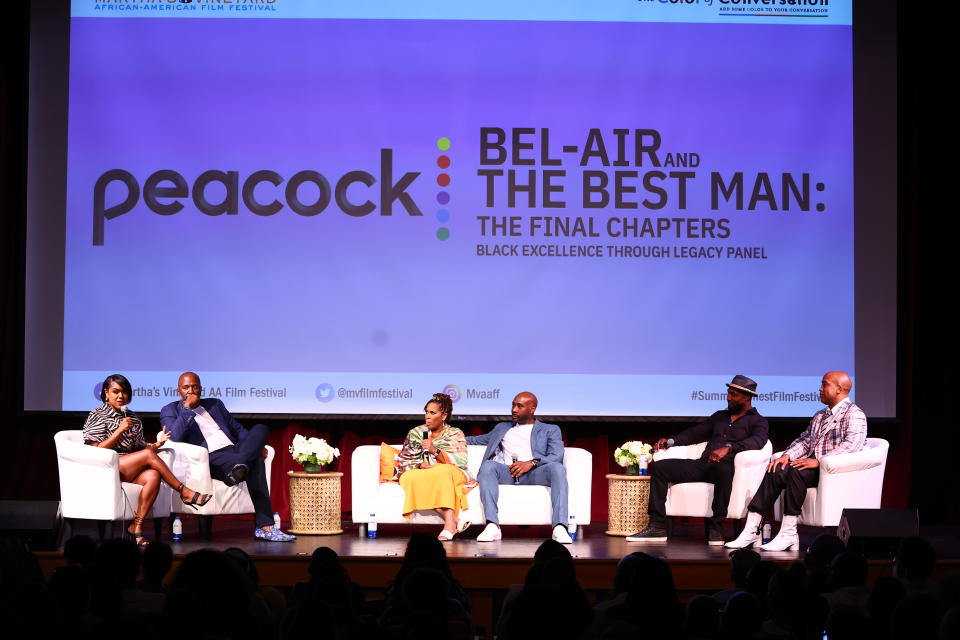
[{"x": 551, "y": 474}]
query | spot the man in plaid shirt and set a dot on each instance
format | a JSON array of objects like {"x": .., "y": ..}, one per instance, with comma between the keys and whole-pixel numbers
[{"x": 840, "y": 428}]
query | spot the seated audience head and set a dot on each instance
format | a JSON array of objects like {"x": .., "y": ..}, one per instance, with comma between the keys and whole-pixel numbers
[
  {"x": 916, "y": 616},
  {"x": 741, "y": 561},
  {"x": 915, "y": 561},
  {"x": 325, "y": 563},
  {"x": 847, "y": 623},
  {"x": 117, "y": 563},
  {"x": 887, "y": 591},
  {"x": 425, "y": 551},
  {"x": 157, "y": 561},
  {"x": 702, "y": 619},
  {"x": 758, "y": 578},
  {"x": 80, "y": 550},
  {"x": 821, "y": 551},
  {"x": 848, "y": 569},
  {"x": 245, "y": 563},
  {"x": 742, "y": 616}
]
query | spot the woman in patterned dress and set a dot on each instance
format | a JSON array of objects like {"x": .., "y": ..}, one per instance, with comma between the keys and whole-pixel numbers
[
  {"x": 112, "y": 426},
  {"x": 433, "y": 467}
]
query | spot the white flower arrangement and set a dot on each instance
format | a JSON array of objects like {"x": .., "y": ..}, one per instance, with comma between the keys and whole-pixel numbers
[
  {"x": 629, "y": 453},
  {"x": 312, "y": 451}
]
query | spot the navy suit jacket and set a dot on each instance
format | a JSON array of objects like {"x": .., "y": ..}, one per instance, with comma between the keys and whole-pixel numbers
[
  {"x": 545, "y": 441},
  {"x": 182, "y": 422}
]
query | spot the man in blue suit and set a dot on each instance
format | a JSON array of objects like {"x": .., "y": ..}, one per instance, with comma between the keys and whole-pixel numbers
[
  {"x": 235, "y": 451},
  {"x": 525, "y": 451}
]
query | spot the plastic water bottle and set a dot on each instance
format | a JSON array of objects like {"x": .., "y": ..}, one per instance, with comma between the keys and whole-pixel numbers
[
  {"x": 572, "y": 527},
  {"x": 276, "y": 519},
  {"x": 642, "y": 464},
  {"x": 767, "y": 533},
  {"x": 177, "y": 529},
  {"x": 372, "y": 526}
]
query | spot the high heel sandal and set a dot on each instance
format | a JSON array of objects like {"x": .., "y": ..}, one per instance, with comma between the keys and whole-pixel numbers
[
  {"x": 138, "y": 538},
  {"x": 198, "y": 499}
]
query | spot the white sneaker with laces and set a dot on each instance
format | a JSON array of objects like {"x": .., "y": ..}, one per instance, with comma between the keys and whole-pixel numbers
[
  {"x": 490, "y": 534},
  {"x": 561, "y": 535}
]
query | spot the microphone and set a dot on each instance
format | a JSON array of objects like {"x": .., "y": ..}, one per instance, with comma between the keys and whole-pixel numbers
[
  {"x": 670, "y": 442},
  {"x": 516, "y": 479},
  {"x": 426, "y": 436},
  {"x": 123, "y": 410}
]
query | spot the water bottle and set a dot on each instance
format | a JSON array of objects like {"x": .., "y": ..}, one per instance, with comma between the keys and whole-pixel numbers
[
  {"x": 767, "y": 534},
  {"x": 372, "y": 526},
  {"x": 516, "y": 479},
  {"x": 177, "y": 530},
  {"x": 572, "y": 527},
  {"x": 642, "y": 464},
  {"x": 276, "y": 519}
]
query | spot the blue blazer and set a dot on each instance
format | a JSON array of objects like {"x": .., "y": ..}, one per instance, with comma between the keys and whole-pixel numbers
[
  {"x": 545, "y": 441},
  {"x": 182, "y": 422}
]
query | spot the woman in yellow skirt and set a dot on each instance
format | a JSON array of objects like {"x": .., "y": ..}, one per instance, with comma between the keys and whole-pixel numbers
[{"x": 433, "y": 467}]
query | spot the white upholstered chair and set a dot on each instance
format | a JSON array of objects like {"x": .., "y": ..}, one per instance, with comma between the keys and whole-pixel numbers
[
  {"x": 847, "y": 481},
  {"x": 90, "y": 486},
  {"x": 373, "y": 501},
  {"x": 191, "y": 463},
  {"x": 695, "y": 499}
]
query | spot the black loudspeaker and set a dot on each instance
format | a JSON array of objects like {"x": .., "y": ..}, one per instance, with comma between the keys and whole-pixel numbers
[
  {"x": 36, "y": 523},
  {"x": 876, "y": 533}
]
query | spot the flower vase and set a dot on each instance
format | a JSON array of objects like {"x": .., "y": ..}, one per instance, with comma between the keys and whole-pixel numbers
[
  {"x": 312, "y": 468},
  {"x": 633, "y": 470}
]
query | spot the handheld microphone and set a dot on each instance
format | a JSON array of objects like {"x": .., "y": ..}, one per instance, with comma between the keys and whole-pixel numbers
[
  {"x": 123, "y": 410},
  {"x": 426, "y": 436},
  {"x": 670, "y": 442},
  {"x": 516, "y": 479}
]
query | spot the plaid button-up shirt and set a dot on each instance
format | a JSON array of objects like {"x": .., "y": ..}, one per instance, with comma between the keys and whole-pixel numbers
[{"x": 842, "y": 429}]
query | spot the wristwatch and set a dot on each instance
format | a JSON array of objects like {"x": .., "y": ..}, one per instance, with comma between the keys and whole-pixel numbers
[{"x": 536, "y": 462}]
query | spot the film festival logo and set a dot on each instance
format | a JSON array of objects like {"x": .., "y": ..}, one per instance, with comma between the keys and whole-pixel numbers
[{"x": 453, "y": 391}]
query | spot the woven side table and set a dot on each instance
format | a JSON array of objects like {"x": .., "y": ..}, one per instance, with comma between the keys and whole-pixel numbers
[
  {"x": 627, "y": 499},
  {"x": 315, "y": 503}
]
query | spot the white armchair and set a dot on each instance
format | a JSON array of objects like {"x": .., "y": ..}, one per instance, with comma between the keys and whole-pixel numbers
[
  {"x": 695, "y": 499},
  {"x": 191, "y": 464},
  {"x": 90, "y": 486},
  {"x": 847, "y": 481}
]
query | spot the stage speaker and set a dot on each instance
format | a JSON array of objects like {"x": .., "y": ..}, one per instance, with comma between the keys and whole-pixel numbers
[
  {"x": 876, "y": 533},
  {"x": 35, "y": 523}
]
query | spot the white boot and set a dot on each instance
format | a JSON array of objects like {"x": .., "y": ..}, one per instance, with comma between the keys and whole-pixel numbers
[
  {"x": 750, "y": 534},
  {"x": 787, "y": 538}
]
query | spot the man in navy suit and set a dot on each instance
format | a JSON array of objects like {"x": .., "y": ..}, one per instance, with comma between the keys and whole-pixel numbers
[
  {"x": 525, "y": 451},
  {"x": 235, "y": 451}
]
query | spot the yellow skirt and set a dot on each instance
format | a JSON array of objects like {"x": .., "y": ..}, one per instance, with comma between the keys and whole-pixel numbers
[{"x": 439, "y": 487}]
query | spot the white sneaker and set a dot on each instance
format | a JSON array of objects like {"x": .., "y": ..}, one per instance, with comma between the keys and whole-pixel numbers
[
  {"x": 490, "y": 534},
  {"x": 561, "y": 535}
]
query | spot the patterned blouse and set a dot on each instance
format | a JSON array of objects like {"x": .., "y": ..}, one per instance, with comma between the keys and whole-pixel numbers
[
  {"x": 451, "y": 441},
  {"x": 103, "y": 421}
]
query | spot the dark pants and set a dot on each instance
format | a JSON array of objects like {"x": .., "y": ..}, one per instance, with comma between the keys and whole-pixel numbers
[
  {"x": 248, "y": 452},
  {"x": 791, "y": 482},
  {"x": 676, "y": 471}
]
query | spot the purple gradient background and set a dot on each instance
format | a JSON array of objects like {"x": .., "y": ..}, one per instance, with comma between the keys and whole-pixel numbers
[{"x": 334, "y": 293}]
